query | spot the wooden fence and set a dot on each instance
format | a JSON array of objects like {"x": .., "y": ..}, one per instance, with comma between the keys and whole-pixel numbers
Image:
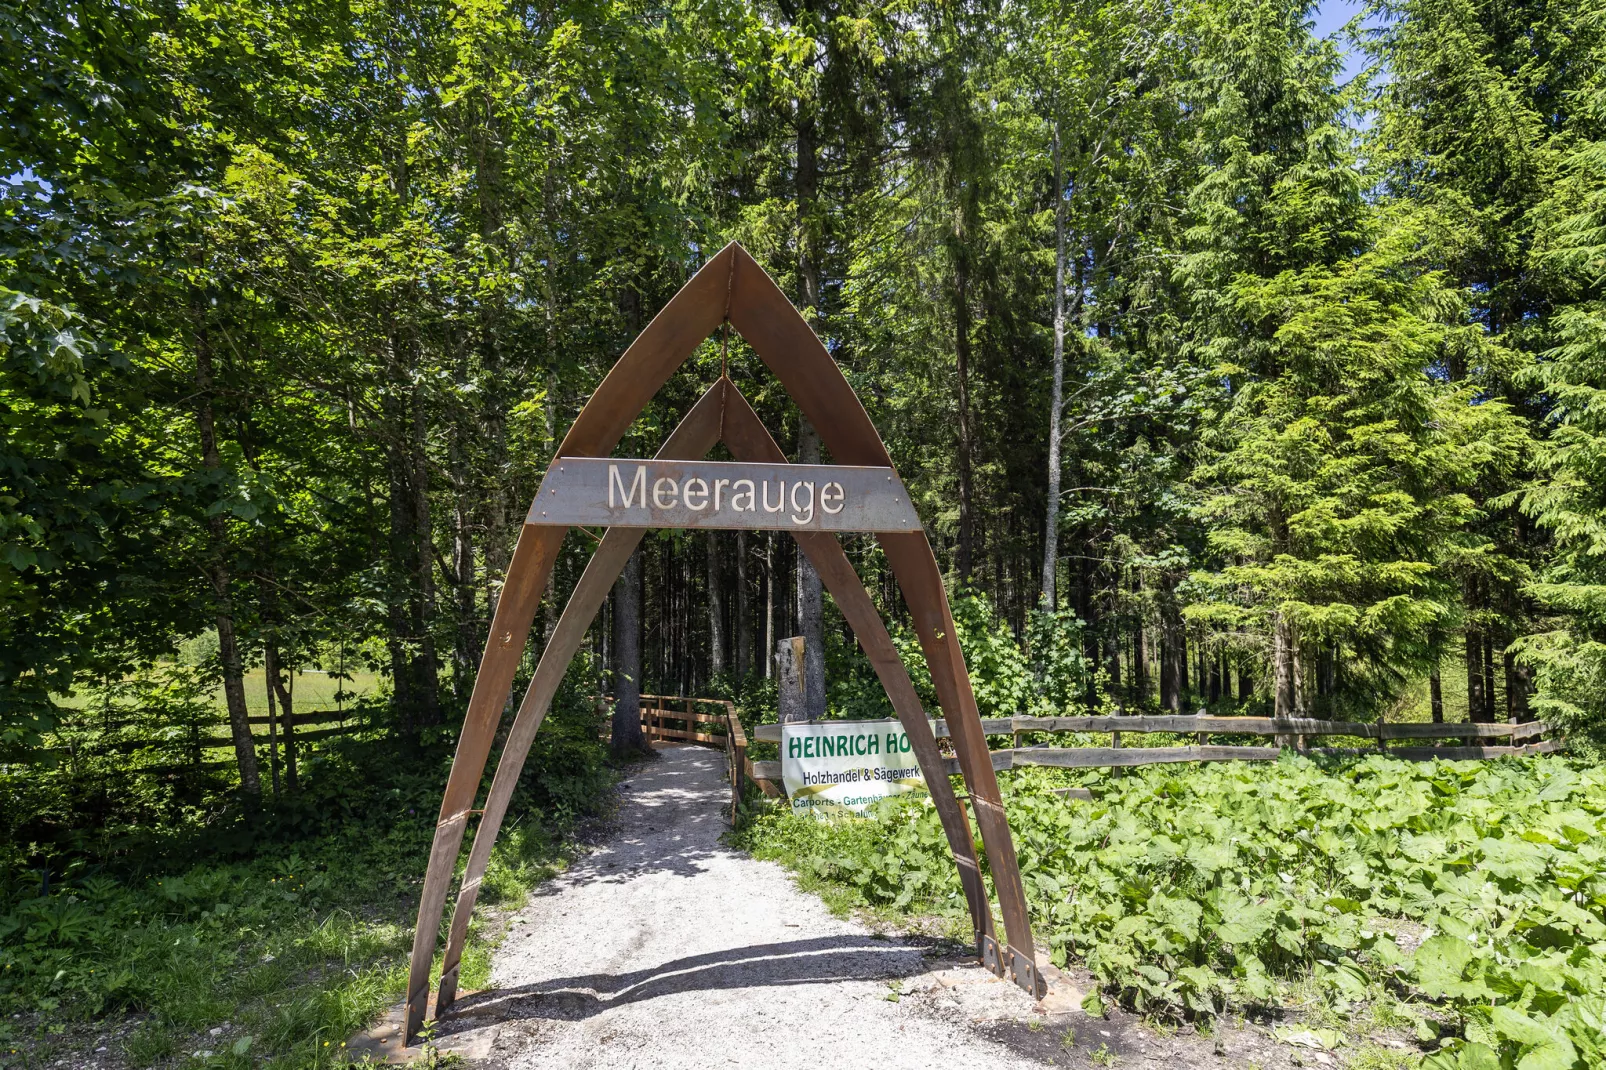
[
  {"x": 194, "y": 744},
  {"x": 1291, "y": 732},
  {"x": 661, "y": 721}
]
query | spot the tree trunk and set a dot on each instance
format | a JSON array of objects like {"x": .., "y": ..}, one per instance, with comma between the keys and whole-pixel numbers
[
  {"x": 1473, "y": 657},
  {"x": 1140, "y": 667},
  {"x": 466, "y": 635},
  {"x": 769, "y": 604},
  {"x": 810, "y": 599},
  {"x": 1284, "y": 669},
  {"x": 1489, "y": 697},
  {"x": 1246, "y": 681},
  {"x": 272, "y": 665},
  {"x": 961, "y": 297},
  {"x": 1057, "y": 392},
  {"x": 1112, "y": 659},
  {"x": 744, "y": 615},
  {"x": 1087, "y": 613},
  {"x": 402, "y": 543},
  {"x": 808, "y": 193},
  {"x": 426, "y": 670},
  {"x": 626, "y": 729},
  {"x": 218, "y": 573},
  {"x": 273, "y": 721},
  {"x": 273, "y": 673},
  {"x": 1184, "y": 687},
  {"x": 716, "y": 610},
  {"x": 809, "y": 595},
  {"x": 1169, "y": 699},
  {"x": 1436, "y": 696}
]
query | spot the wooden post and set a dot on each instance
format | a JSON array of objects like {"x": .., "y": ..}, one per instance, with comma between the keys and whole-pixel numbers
[{"x": 789, "y": 669}]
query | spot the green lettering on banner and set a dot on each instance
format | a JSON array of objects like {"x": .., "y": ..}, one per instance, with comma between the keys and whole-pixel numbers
[
  {"x": 875, "y": 745},
  {"x": 892, "y": 743},
  {"x": 793, "y": 749}
]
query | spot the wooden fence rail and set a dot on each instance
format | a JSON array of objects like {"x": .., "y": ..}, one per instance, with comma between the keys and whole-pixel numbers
[
  {"x": 1288, "y": 728},
  {"x": 658, "y": 710}
]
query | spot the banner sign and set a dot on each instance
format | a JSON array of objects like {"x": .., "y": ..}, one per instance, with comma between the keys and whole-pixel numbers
[
  {"x": 721, "y": 494},
  {"x": 835, "y": 767}
]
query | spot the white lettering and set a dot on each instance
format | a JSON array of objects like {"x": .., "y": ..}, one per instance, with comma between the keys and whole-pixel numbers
[
  {"x": 737, "y": 494},
  {"x": 780, "y": 504},
  {"x": 639, "y": 483},
  {"x": 832, "y": 492},
  {"x": 701, "y": 493},
  {"x": 719, "y": 484},
  {"x": 808, "y": 508},
  {"x": 657, "y": 493}
]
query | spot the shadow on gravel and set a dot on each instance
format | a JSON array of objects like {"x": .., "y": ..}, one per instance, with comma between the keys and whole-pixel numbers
[{"x": 798, "y": 962}]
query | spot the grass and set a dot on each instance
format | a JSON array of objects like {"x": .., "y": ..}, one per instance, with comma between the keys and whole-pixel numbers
[
  {"x": 288, "y": 954},
  {"x": 314, "y": 690},
  {"x": 285, "y": 934}
]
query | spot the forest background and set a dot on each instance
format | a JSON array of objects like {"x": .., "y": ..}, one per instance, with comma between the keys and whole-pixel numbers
[{"x": 1222, "y": 377}]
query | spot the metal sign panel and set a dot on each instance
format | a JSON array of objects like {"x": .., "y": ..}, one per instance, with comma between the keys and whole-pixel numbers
[{"x": 615, "y": 492}]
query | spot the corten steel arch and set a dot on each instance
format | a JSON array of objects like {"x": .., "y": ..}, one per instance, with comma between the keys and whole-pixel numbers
[{"x": 731, "y": 288}]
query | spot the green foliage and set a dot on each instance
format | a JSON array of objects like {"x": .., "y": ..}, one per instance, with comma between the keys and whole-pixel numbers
[
  {"x": 999, "y": 671},
  {"x": 1339, "y": 485},
  {"x": 1567, "y": 500},
  {"x": 296, "y": 929},
  {"x": 1188, "y": 892},
  {"x": 1054, "y": 641},
  {"x": 59, "y": 504}
]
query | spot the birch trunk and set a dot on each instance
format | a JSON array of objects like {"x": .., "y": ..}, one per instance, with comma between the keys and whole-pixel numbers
[
  {"x": 810, "y": 600},
  {"x": 809, "y": 594},
  {"x": 1056, "y": 395}
]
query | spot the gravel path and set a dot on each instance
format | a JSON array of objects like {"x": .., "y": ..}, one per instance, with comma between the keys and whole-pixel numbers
[{"x": 666, "y": 949}]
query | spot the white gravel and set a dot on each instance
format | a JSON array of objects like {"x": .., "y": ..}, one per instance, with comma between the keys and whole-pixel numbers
[{"x": 666, "y": 949}]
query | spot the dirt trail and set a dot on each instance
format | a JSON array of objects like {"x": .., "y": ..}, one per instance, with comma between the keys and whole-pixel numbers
[{"x": 664, "y": 948}]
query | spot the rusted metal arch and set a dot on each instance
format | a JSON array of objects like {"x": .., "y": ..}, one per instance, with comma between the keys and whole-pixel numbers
[
  {"x": 731, "y": 287},
  {"x": 721, "y": 406}
]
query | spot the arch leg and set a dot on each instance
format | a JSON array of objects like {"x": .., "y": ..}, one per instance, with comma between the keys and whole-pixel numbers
[
  {"x": 532, "y": 562},
  {"x": 749, "y": 440},
  {"x": 791, "y": 350},
  {"x": 695, "y": 436},
  {"x": 915, "y": 567}
]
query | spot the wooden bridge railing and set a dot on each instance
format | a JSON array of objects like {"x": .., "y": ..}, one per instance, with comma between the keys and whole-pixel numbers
[{"x": 662, "y": 721}]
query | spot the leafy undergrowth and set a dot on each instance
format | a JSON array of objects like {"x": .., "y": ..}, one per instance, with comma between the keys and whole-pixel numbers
[
  {"x": 1465, "y": 899},
  {"x": 275, "y": 958}
]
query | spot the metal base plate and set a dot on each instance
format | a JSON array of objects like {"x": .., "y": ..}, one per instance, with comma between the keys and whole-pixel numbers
[
  {"x": 1012, "y": 965},
  {"x": 1024, "y": 972},
  {"x": 990, "y": 956}
]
